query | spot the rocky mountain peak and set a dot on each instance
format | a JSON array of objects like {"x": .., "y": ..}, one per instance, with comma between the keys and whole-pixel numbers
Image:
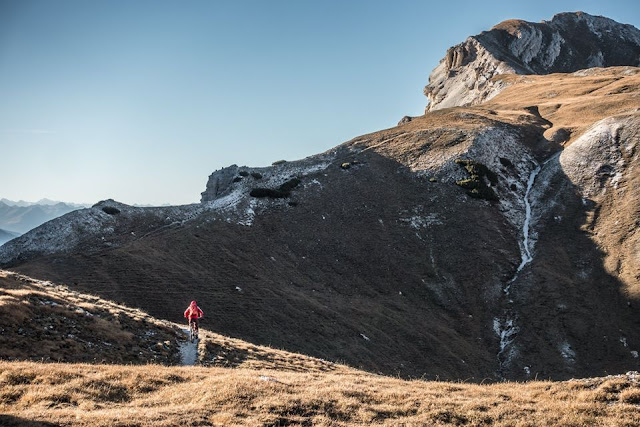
[{"x": 569, "y": 42}]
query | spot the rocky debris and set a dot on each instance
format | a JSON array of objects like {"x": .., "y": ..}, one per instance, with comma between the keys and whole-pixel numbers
[{"x": 567, "y": 43}]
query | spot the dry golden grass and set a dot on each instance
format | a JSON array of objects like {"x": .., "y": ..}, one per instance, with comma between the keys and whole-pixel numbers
[
  {"x": 569, "y": 103},
  {"x": 99, "y": 395},
  {"x": 40, "y": 320},
  {"x": 572, "y": 101},
  {"x": 221, "y": 351}
]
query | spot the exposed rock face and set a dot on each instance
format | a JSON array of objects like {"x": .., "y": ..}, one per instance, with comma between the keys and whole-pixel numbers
[
  {"x": 567, "y": 43},
  {"x": 219, "y": 183}
]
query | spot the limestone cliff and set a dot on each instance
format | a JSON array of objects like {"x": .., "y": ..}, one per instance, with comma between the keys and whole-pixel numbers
[{"x": 567, "y": 43}]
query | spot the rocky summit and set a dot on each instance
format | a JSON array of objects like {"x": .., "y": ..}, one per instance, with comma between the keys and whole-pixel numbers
[
  {"x": 568, "y": 43},
  {"x": 494, "y": 239}
]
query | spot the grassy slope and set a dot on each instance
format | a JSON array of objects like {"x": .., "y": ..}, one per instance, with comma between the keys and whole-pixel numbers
[
  {"x": 89, "y": 395},
  {"x": 43, "y": 321}
]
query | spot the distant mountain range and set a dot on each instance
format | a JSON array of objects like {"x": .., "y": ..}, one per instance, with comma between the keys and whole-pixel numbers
[
  {"x": 5, "y": 236},
  {"x": 20, "y": 217},
  {"x": 43, "y": 202}
]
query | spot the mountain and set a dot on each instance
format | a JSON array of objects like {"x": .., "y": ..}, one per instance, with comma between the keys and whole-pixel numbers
[
  {"x": 494, "y": 240},
  {"x": 5, "y": 236},
  {"x": 47, "y": 202},
  {"x": 20, "y": 203},
  {"x": 567, "y": 43},
  {"x": 21, "y": 217}
]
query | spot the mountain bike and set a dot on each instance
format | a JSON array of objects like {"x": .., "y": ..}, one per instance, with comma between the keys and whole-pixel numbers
[{"x": 193, "y": 331}]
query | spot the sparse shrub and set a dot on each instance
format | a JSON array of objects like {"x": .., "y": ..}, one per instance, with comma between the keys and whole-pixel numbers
[
  {"x": 506, "y": 163},
  {"x": 290, "y": 185},
  {"x": 475, "y": 184},
  {"x": 345, "y": 165},
  {"x": 256, "y": 175},
  {"x": 514, "y": 187},
  {"x": 469, "y": 184},
  {"x": 237, "y": 179},
  {"x": 281, "y": 192},
  {"x": 111, "y": 210},
  {"x": 268, "y": 192},
  {"x": 278, "y": 162},
  {"x": 243, "y": 173}
]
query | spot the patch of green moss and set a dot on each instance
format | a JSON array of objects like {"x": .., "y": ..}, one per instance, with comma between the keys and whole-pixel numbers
[{"x": 475, "y": 185}]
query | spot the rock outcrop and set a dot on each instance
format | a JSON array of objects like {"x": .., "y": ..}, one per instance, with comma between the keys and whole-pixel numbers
[
  {"x": 219, "y": 183},
  {"x": 567, "y": 43}
]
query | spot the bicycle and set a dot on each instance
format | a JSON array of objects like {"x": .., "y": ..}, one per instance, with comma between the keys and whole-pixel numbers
[{"x": 193, "y": 330}]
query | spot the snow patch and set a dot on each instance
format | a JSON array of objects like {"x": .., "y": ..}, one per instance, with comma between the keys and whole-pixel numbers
[
  {"x": 419, "y": 222},
  {"x": 506, "y": 330},
  {"x": 567, "y": 352},
  {"x": 594, "y": 162}
]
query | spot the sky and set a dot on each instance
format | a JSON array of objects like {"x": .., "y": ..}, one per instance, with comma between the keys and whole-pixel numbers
[{"x": 139, "y": 101}]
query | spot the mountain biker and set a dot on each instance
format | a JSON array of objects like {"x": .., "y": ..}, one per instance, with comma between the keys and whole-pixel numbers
[{"x": 193, "y": 313}]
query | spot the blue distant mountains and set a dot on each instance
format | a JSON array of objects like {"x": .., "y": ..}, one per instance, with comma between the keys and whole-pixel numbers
[{"x": 19, "y": 217}]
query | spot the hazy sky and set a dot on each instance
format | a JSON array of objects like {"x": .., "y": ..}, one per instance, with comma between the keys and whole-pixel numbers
[{"x": 141, "y": 100}]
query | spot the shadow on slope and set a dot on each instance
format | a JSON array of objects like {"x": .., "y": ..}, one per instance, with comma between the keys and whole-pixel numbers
[
  {"x": 575, "y": 318},
  {"x": 374, "y": 266}
]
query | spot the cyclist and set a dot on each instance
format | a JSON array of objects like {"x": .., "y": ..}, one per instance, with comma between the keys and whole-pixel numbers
[{"x": 193, "y": 313}]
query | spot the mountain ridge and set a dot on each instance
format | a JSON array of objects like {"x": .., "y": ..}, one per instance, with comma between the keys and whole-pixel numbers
[{"x": 401, "y": 251}]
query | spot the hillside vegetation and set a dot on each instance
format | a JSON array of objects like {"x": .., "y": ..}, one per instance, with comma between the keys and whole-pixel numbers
[
  {"x": 43, "y": 321},
  {"x": 89, "y": 395}
]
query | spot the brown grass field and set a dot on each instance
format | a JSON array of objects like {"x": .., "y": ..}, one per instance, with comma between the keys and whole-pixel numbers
[{"x": 102, "y": 395}]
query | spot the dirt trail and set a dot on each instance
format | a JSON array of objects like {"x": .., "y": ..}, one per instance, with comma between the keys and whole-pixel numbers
[{"x": 188, "y": 350}]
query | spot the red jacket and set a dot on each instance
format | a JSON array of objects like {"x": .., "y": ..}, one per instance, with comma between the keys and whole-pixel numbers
[{"x": 193, "y": 312}]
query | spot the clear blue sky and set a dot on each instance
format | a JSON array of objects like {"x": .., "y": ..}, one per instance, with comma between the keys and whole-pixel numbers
[{"x": 141, "y": 100}]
